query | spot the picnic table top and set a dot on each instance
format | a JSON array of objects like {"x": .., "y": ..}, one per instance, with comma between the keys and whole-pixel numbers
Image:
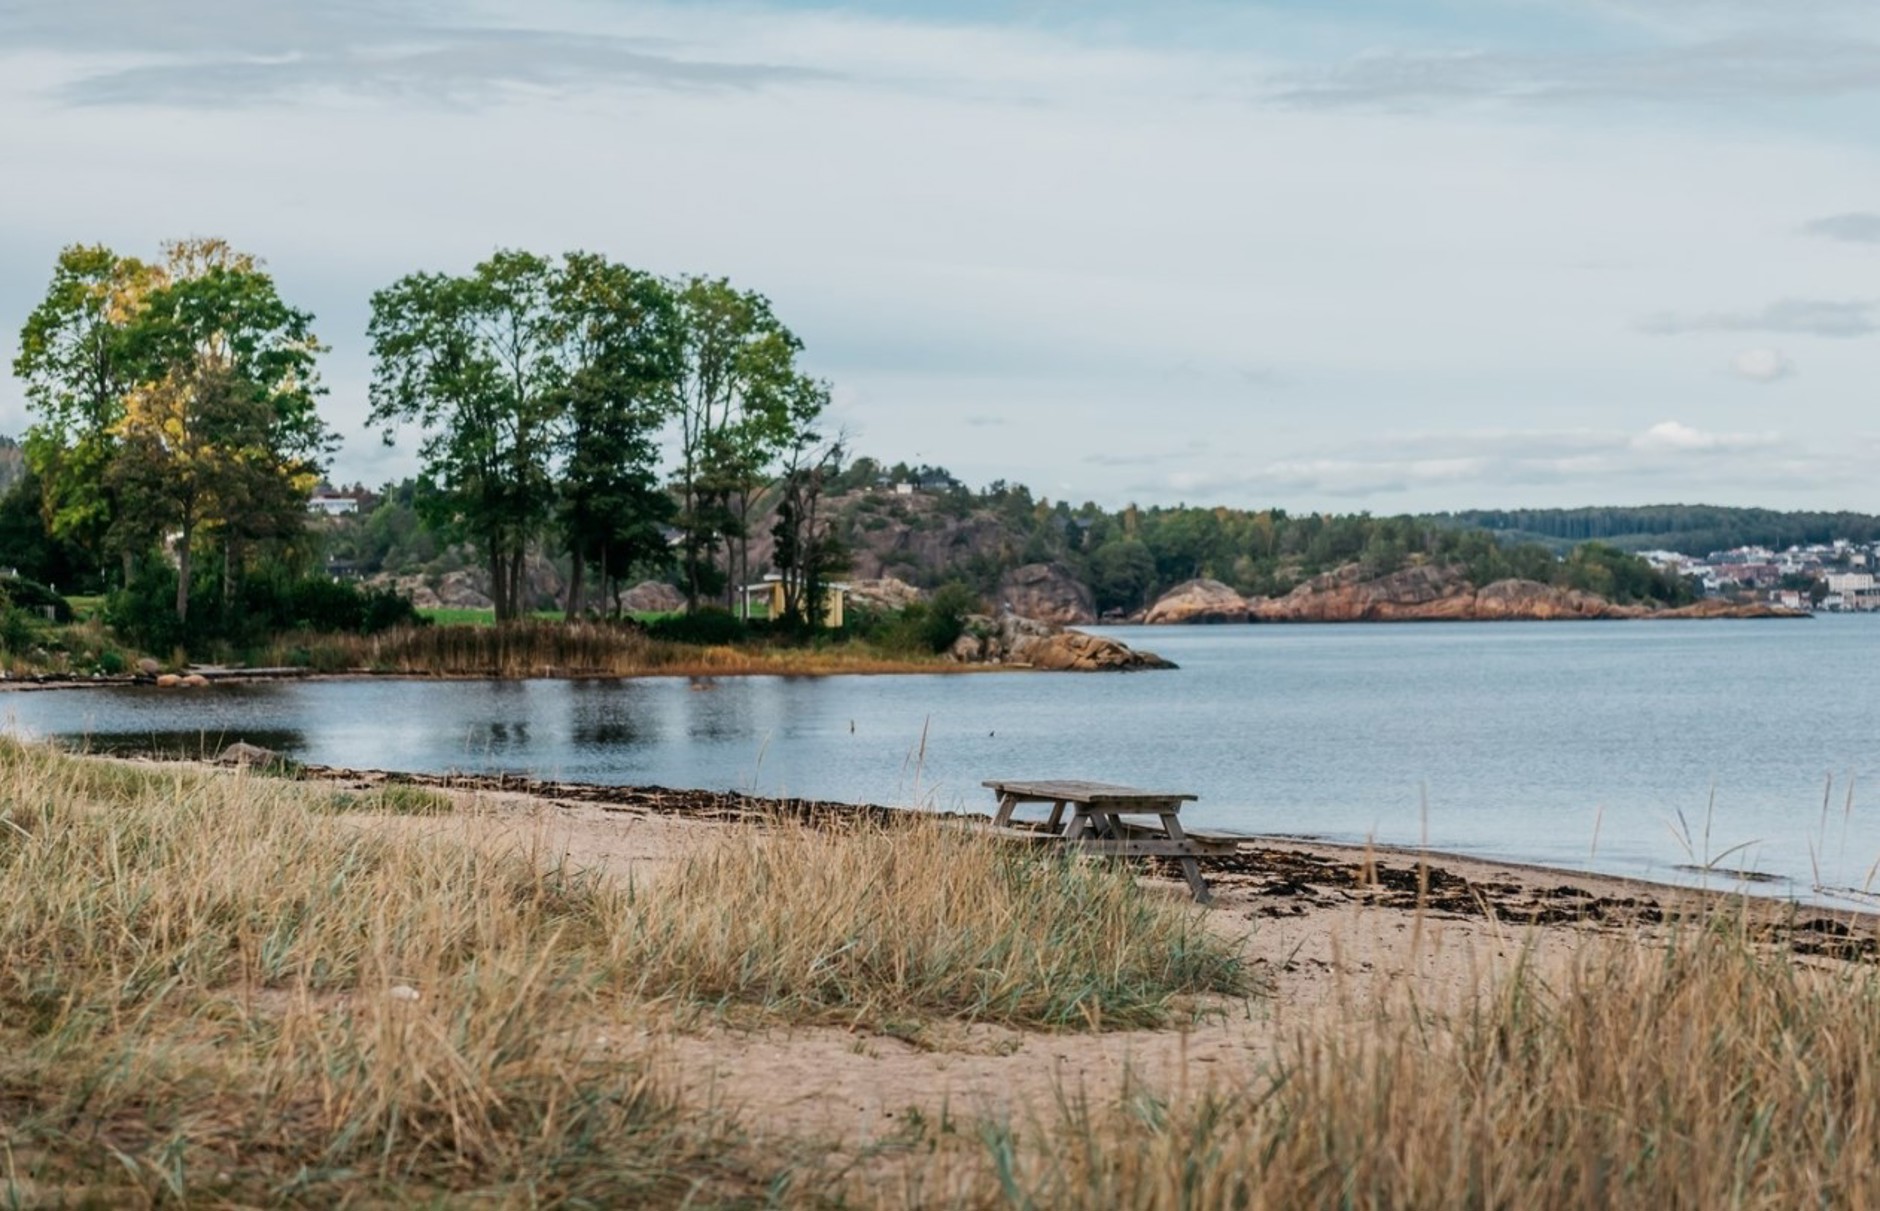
[{"x": 1073, "y": 790}]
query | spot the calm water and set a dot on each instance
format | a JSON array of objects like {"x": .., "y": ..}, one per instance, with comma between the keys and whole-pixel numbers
[{"x": 1577, "y": 744}]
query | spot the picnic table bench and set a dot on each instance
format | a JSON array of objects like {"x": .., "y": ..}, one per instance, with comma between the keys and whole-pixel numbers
[{"x": 1099, "y": 822}]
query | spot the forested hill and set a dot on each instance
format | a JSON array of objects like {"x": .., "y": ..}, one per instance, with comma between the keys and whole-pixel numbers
[{"x": 1692, "y": 529}]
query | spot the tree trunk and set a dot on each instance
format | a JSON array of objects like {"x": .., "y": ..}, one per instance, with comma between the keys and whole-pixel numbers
[
  {"x": 496, "y": 582},
  {"x": 182, "y": 575},
  {"x": 574, "y": 587}
]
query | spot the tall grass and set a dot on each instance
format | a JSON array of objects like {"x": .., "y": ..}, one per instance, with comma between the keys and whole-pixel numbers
[
  {"x": 1706, "y": 1072},
  {"x": 535, "y": 648},
  {"x": 880, "y": 924},
  {"x": 225, "y": 988},
  {"x": 209, "y": 991}
]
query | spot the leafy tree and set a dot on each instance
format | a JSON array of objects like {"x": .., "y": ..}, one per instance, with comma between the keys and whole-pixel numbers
[
  {"x": 1122, "y": 573},
  {"x": 476, "y": 363},
  {"x": 736, "y": 382},
  {"x": 621, "y": 330},
  {"x": 171, "y": 398},
  {"x": 77, "y": 365}
]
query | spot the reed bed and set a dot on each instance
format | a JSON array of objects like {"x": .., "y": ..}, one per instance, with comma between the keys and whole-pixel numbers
[
  {"x": 1707, "y": 1071},
  {"x": 536, "y": 648}
]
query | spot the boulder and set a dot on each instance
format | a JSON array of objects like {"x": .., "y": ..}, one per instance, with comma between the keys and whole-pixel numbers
[
  {"x": 1198, "y": 601},
  {"x": 1047, "y": 592},
  {"x": 169, "y": 681},
  {"x": 652, "y": 597},
  {"x": 245, "y": 754},
  {"x": 884, "y": 593},
  {"x": 1532, "y": 599},
  {"x": 148, "y": 668},
  {"x": 1010, "y": 639}
]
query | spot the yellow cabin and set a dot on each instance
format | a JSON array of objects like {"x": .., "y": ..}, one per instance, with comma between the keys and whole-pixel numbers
[{"x": 767, "y": 596}]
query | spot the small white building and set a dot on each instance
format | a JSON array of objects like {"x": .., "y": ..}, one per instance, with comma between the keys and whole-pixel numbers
[{"x": 332, "y": 505}]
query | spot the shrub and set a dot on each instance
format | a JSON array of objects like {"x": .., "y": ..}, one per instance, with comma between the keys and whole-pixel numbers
[
  {"x": 708, "y": 625},
  {"x": 23, "y": 594}
]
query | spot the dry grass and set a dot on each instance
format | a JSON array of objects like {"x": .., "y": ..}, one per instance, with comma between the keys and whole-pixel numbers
[
  {"x": 889, "y": 926},
  {"x": 221, "y": 988},
  {"x": 212, "y": 989},
  {"x": 1703, "y": 1072},
  {"x": 581, "y": 649}
]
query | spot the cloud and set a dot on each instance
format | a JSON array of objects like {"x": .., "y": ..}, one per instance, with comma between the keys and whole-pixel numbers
[
  {"x": 1720, "y": 70},
  {"x": 1854, "y": 227},
  {"x": 1806, "y": 317},
  {"x": 1674, "y": 437},
  {"x": 1485, "y": 464},
  {"x": 210, "y": 53},
  {"x": 1762, "y": 365}
]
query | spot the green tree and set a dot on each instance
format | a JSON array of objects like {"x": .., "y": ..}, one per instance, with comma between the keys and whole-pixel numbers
[
  {"x": 77, "y": 365},
  {"x": 736, "y": 381},
  {"x": 620, "y": 330},
  {"x": 475, "y": 363}
]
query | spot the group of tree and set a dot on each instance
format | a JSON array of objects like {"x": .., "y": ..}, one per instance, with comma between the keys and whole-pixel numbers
[
  {"x": 1692, "y": 529},
  {"x": 174, "y": 398},
  {"x": 541, "y": 389}
]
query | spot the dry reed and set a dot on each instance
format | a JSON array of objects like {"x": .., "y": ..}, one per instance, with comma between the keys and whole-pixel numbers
[{"x": 535, "y": 648}]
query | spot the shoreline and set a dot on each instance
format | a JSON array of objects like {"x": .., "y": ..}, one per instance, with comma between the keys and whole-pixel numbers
[{"x": 1279, "y": 874}]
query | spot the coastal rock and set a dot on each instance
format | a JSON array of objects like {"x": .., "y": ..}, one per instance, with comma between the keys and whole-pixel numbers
[
  {"x": 450, "y": 590},
  {"x": 1345, "y": 595},
  {"x": 1047, "y": 592},
  {"x": 883, "y": 593},
  {"x": 652, "y": 597},
  {"x": 1010, "y": 639},
  {"x": 1534, "y": 600},
  {"x": 148, "y": 667},
  {"x": 243, "y": 753},
  {"x": 1198, "y": 601}
]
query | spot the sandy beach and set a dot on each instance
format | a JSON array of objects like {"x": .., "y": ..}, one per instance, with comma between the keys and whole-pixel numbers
[{"x": 1336, "y": 932}]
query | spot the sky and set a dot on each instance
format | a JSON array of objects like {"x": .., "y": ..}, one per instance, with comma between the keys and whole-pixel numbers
[{"x": 1338, "y": 256}]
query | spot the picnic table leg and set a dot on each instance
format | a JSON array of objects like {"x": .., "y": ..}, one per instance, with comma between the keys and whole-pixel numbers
[
  {"x": 1003, "y": 817},
  {"x": 1057, "y": 816},
  {"x": 1190, "y": 868}
]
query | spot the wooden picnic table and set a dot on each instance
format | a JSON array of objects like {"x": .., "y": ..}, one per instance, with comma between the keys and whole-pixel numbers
[{"x": 1098, "y": 822}]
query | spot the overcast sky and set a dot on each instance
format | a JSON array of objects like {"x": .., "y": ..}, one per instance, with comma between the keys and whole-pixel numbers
[{"x": 1342, "y": 256}]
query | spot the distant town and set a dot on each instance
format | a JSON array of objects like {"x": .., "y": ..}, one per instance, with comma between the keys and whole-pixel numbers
[{"x": 1835, "y": 577}]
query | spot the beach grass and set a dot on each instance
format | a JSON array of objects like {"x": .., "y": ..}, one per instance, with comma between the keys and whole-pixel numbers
[
  {"x": 885, "y": 925},
  {"x": 228, "y": 989},
  {"x": 1699, "y": 1068}
]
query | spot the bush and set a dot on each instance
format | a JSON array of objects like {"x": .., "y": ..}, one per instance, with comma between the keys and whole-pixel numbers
[
  {"x": 708, "y": 625},
  {"x": 23, "y": 594},
  {"x": 263, "y": 605}
]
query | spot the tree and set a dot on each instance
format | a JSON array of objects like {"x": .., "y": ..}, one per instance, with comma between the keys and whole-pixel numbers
[
  {"x": 476, "y": 363},
  {"x": 77, "y": 365},
  {"x": 621, "y": 335},
  {"x": 736, "y": 377},
  {"x": 807, "y": 549},
  {"x": 179, "y": 396}
]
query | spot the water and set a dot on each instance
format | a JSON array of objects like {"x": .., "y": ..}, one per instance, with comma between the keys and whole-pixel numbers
[{"x": 1629, "y": 748}]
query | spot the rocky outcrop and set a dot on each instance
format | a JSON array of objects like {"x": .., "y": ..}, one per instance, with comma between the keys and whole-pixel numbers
[
  {"x": 1198, "y": 601},
  {"x": 451, "y": 590},
  {"x": 883, "y": 593},
  {"x": 652, "y": 597},
  {"x": 1010, "y": 639},
  {"x": 1428, "y": 593},
  {"x": 1047, "y": 592}
]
